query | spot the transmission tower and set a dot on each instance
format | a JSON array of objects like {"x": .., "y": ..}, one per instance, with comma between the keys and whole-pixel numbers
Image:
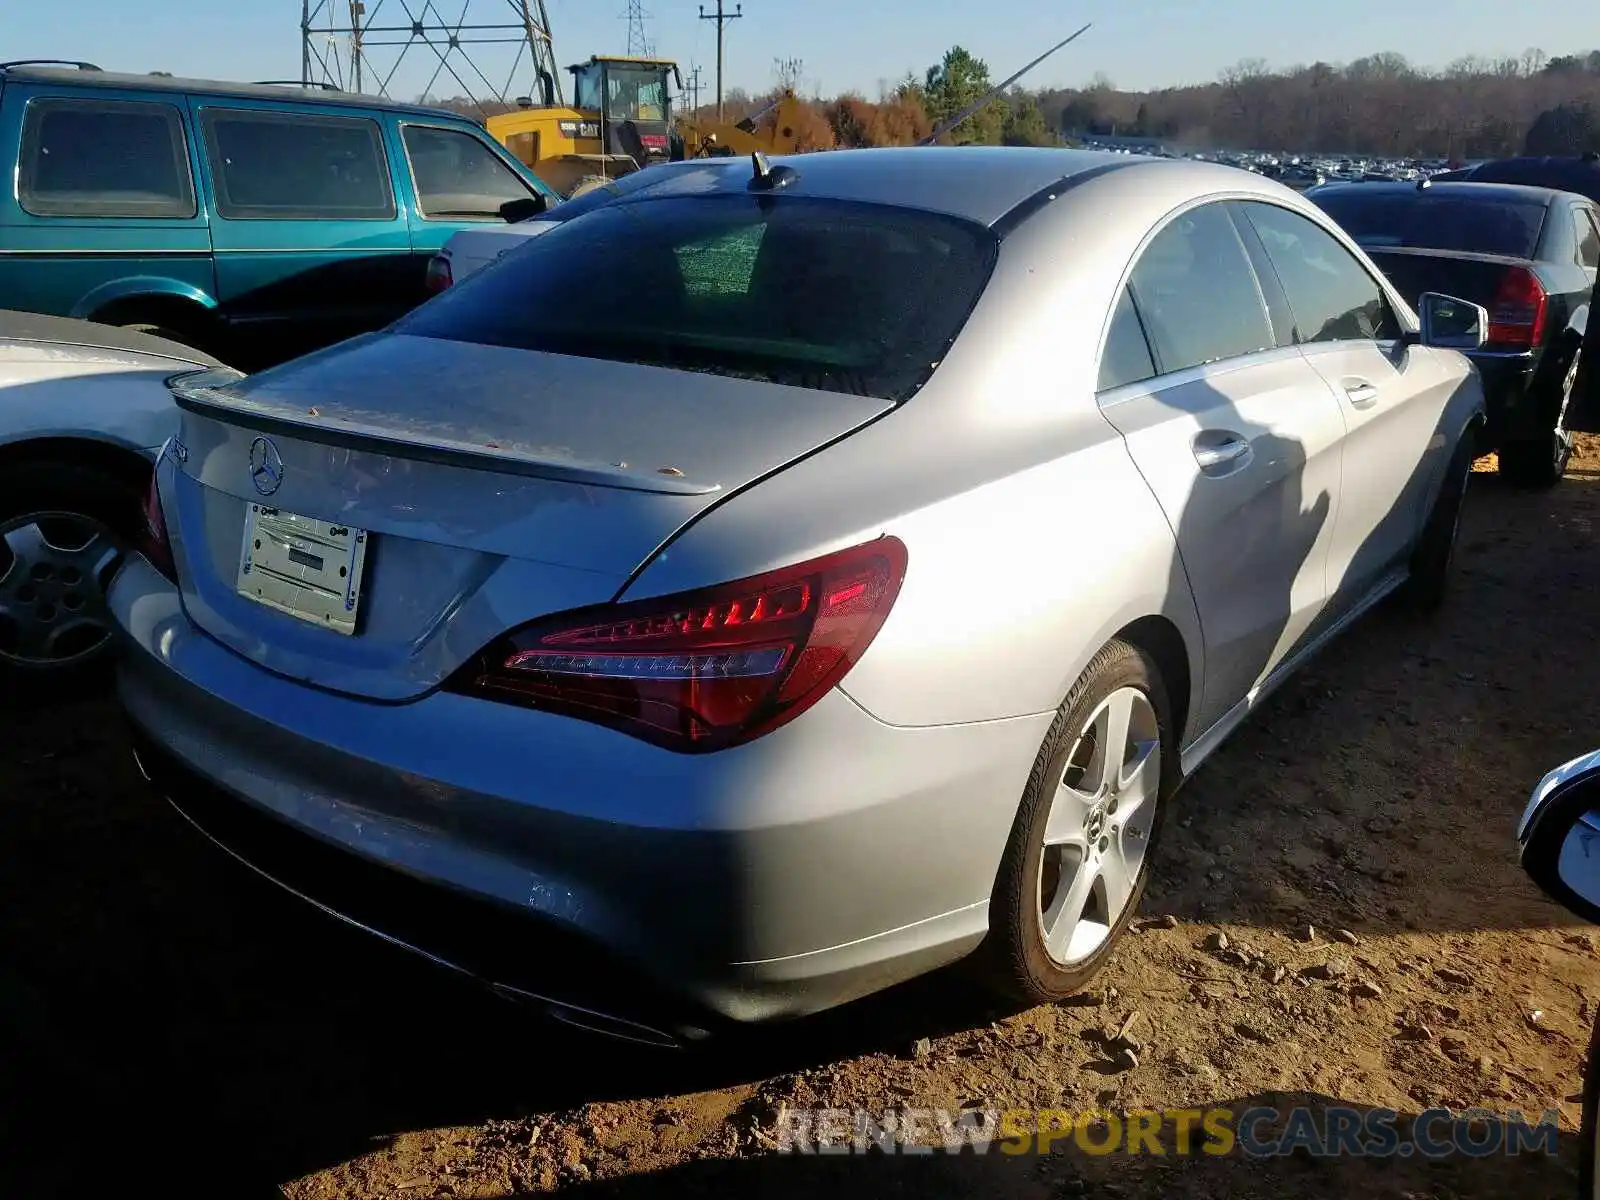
[
  {"x": 361, "y": 46},
  {"x": 638, "y": 42}
]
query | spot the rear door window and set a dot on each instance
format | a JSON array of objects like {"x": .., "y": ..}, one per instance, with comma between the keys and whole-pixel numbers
[
  {"x": 457, "y": 176},
  {"x": 270, "y": 165},
  {"x": 104, "y": 158},
  {"x": 811, "y": 293},
  {"x": 1197, "y": 293},
  {"x": 1126, "y": 358},
  {"x": 1333, "y": 296}
]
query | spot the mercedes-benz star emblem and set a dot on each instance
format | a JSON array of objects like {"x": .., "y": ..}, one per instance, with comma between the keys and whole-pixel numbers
[{"x": 266, "y": 466}]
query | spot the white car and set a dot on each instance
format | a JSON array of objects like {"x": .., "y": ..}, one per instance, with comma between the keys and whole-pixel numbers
[
  {"x": 84, "y": 409},
  {"x": 470, "y": 250}
]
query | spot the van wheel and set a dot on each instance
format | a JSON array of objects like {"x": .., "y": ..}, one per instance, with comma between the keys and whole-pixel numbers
[
  {"x": 1079, "y": 853},
  {"x": 64, "y": 530}
]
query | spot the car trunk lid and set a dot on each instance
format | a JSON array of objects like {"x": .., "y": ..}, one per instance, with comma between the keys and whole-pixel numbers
[
  {"x": 1466, "y": 276},
  {"x": 487, "y": 486}
]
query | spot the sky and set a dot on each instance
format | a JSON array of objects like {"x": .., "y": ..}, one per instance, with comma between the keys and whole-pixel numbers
[{"x": 842, "y": 44}]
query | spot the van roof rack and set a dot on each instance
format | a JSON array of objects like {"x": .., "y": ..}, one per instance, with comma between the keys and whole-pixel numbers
[
  {"x": 49, "y": 62},
  {"x": 300, "y": 83}
]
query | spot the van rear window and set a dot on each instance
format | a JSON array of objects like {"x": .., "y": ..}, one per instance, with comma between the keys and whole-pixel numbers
[
  {"x": 104, "y": 158},
  {"x": 813, "y": 293}
]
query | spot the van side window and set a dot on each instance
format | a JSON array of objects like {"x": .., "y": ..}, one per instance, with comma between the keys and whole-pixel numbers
[
  {"x": 104, "y": 158},
  {"x": 458, "y": 176},
  {"x": 268, "y": 165}
]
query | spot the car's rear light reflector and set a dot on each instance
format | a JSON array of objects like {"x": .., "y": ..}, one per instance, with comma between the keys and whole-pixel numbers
[
  {"x": 1517, "y": 313},
  {"x": 439, "y": 275},
  {"x": 154, "y": 543},
  {"x": 706, "y": 669}
]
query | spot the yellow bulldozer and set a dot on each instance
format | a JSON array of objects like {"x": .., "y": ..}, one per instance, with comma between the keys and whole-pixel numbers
[
  {"x": 770, "y": 131},
  {"x": 620, "y": 120}
]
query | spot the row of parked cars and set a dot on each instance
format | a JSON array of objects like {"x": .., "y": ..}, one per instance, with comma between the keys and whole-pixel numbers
[{"x": 773, "y": 580}]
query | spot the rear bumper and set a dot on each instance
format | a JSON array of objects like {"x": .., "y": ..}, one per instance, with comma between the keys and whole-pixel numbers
[
  {"x": 825, "y": 861},
  {"x": 1508, "y": 384}
]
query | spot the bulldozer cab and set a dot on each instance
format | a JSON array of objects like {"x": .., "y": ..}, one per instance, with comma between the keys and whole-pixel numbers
[{"x": 632, "y": 101}]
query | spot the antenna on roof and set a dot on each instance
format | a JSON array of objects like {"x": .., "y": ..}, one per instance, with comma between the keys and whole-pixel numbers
[{"x": 950, "y": 123}]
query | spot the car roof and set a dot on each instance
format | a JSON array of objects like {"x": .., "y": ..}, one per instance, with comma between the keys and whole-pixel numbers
[
  {"x": 1487, "y": 192},
  {"x": 1571, "y": 174},
  {"x": 18, "y": 326},
  {"x": 95, "y": 78},
  {"x": 979, "y": 183}
]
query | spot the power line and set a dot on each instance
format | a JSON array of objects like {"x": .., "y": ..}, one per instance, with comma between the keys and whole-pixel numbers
[
  {"x": 362, "y": 45},
  {"x": 638, "y": 42},
  {"x": 721, "y": 17}
]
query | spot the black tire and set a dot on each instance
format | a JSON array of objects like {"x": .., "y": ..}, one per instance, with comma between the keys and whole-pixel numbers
[
  {"x": 1434, "y": 556},
  {"x": 1017, "y": 961},
  {"x": 1541, "y": 461},
  {"x": 81, "y": 492}
]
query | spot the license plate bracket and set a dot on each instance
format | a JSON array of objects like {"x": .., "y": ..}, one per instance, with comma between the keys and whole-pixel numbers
[{"x": 304, "y": 567}]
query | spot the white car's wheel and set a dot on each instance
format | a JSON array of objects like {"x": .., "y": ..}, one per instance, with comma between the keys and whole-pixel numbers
[{"x": 64, "y": 530}]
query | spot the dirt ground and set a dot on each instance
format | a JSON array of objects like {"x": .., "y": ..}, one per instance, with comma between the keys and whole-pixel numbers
[{"x": 177, "y": 1028}]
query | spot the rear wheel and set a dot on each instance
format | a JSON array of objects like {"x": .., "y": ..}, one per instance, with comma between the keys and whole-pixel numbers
[
  {"x": 1434, "y": 556},
  {"x": 1078, "y": 856},
  {"x": 64, "y": 530},
  {"x": 1540, "y": 462}
]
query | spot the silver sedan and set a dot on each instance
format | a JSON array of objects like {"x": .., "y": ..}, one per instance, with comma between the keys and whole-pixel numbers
[{"x": 791, "y": 578}]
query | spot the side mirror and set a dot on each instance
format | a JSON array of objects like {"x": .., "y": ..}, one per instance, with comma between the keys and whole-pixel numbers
[
  {"x": 1451, "y": 323},
  {"x": 1559, "y": 836},
  {"x": 524, "y": 208}
]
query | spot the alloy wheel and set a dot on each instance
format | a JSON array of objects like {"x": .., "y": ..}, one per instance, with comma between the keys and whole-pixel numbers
[{"x": 1098, "y": 830}]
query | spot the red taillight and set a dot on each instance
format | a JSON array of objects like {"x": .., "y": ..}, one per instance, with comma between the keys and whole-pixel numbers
[
  {"x": 706, "y": 669},
  {"x": 439, "y": 275},
  {"x": 154, "y": 544},
  {"x": 1516, "y": 316}
]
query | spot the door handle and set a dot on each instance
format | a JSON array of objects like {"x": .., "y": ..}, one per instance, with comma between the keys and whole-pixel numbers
[
  {"x": 1225, "y": 449},
  {"x": 1361, "y": 393}
]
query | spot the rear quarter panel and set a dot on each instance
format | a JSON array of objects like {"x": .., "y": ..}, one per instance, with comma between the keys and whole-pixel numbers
[
  {"x": 53, "y": 391},
  {"x": 1032, "y": 538}
]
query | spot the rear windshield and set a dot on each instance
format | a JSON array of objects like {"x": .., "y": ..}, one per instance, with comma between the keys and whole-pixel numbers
[
  {"x": 1491, "y": 225},
  {"x": 809, "y": 293}
]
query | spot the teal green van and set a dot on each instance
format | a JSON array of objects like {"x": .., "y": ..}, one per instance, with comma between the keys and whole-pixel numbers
[{"x": 251, "y": 221}]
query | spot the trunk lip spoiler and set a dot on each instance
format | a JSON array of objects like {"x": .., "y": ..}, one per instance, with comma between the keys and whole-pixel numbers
[{"x": 203, "y": 393}]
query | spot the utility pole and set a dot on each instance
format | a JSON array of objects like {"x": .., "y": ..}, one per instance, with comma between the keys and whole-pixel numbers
[
  {"x": 693, "y": 88},
  {"x": 722, "y": 18}
]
